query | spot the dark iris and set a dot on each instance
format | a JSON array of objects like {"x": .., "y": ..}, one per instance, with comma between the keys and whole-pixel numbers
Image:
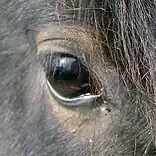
[{"x": 67, "y": 75}]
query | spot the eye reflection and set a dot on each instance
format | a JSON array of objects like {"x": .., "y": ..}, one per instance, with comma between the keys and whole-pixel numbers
[{"x": 68, "y": 75}]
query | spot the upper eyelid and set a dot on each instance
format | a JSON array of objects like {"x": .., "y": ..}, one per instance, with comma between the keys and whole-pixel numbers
[
  {"x": 57, "y": 46},
  {"x": 51, "y": 48},
  {"x": 83, "y": 38}
]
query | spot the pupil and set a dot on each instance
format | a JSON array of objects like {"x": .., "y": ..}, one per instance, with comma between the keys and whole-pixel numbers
[
  {"x": 66, "y": 68},
  {"x": 67, "y": 75}
]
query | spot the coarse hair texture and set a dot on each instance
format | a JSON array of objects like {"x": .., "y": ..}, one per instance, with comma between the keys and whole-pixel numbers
[
  {"x": 134, "y": 48},
  {"x": 127, "y": 29}
]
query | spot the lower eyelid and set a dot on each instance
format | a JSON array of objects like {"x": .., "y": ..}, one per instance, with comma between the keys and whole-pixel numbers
[{"x": 84, "y": 99}]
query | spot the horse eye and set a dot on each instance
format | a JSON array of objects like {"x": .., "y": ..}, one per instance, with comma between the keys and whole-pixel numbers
[
  {"x": 68, "y": 78},
  {"x": 67, "y": 75}
]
